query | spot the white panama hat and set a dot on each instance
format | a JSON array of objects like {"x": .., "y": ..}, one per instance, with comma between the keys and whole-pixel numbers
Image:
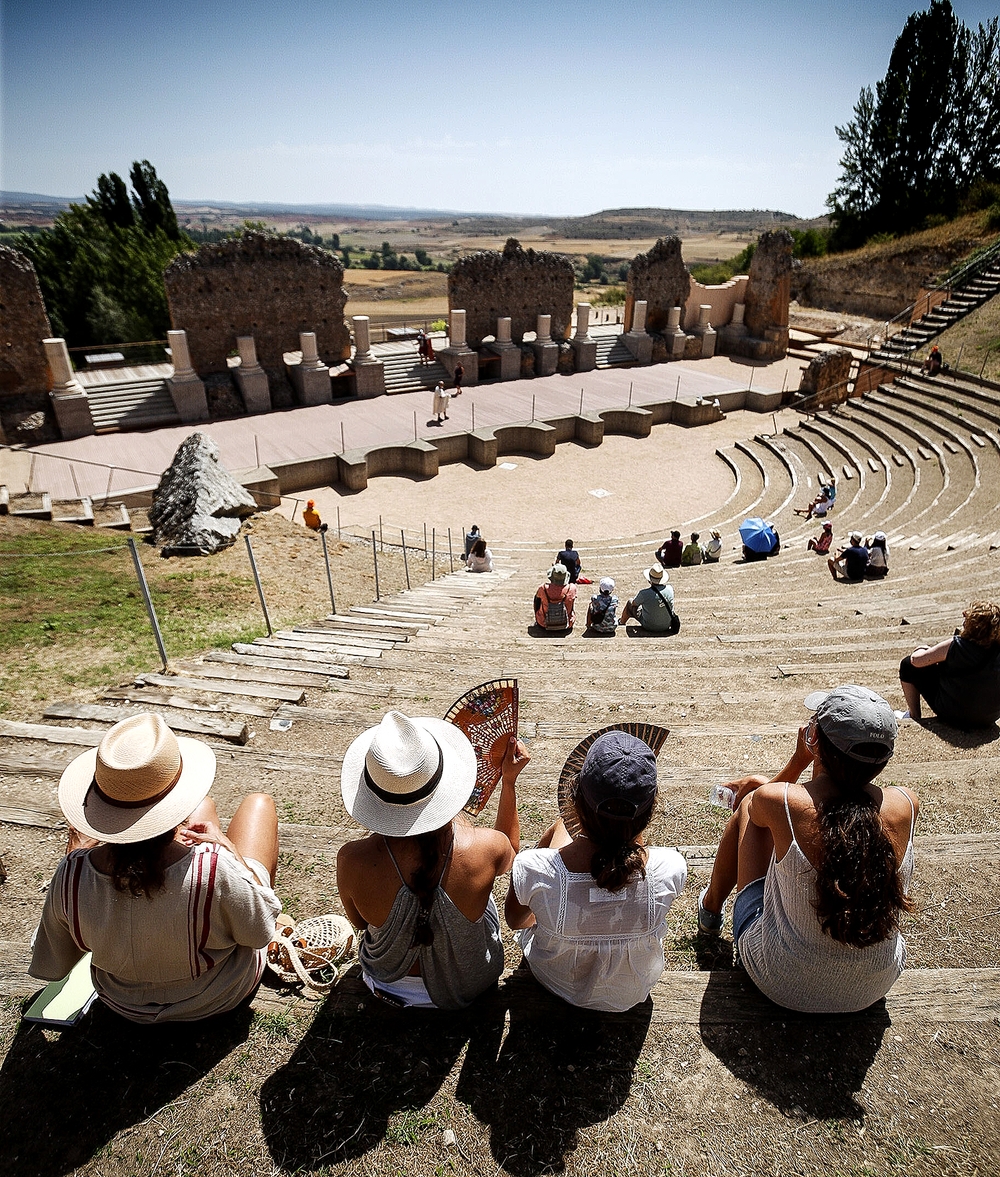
[
  {"x": 139, "y": 782},
  {"x": 408, "y": 776}
]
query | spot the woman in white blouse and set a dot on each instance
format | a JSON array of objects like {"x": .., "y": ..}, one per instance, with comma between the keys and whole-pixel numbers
[
  {"x": 480, "y": 559},
  {"x": 591, "y": 909}
]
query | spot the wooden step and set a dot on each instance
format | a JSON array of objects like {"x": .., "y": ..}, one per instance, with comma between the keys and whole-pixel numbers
[
  {"x": 220, "y": 728},
  {"x": 253, "y": 690},
  {"x": 322, "y": 673}
]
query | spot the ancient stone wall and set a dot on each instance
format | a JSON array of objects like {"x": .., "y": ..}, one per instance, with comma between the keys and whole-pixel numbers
[
  {"x": 24, "y": 379},
  {"x": 826, "y": 376},
  {"x": 769, "y": 288},
  {"x": 268, "y": 287},
  {"x": 661, "y": 278},
  {"x": 520, "y": 283}
]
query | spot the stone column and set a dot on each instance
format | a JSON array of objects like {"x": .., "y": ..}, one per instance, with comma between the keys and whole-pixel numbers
[
  {"x": 69, "y": 400},
  {"x": 583, "y": 321},
  {"x": 369, "y": 373},
  {"x": 250, "y": 377},
  {"x": 584, "y": 348},
  {"x": 509, "y": 353},
  {"x": 458, "y": 351},
  {"x": 545, "y": 349},
  {"x": 674, "y": 333},
  {"x": 186, "y": 390},
  {"x": 310, "y": 377},
  {"x": 362, "y": 339},
  {"x": 706, "y": 330},
  {"x": 637, "y": 341}
]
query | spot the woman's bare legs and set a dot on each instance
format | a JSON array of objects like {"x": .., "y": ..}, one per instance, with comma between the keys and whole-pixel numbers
[
  {"x": 912, "y": 697},
  {"x": 253, "y": 830},
  {"x": 744, "y": 855}
]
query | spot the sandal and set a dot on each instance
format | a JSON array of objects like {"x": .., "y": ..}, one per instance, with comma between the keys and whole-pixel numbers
[{"x": 709, "y": 922}]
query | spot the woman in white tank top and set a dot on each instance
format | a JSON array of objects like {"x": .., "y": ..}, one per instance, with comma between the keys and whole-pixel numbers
[{"x": 822, "y": 868}]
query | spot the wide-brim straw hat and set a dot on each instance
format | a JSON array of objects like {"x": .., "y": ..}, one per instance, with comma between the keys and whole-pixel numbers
[
  {"x": 408, "y": 776},
  {"x": 558, "y": 574},
  {"x": 139, "y": 782},
  {"x": 656, "y": 574}
]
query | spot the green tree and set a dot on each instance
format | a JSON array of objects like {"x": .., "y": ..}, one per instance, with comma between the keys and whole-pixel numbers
[
  {"x": 926, "y": 134},
  {"x": 422, "y": 257},
  {"x": 100, "y": 271}
]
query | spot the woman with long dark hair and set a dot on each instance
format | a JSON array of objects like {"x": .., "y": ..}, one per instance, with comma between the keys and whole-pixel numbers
[
  {"x": 419, "y": 887},
  {"x": 590, "y": 907},
  {"x": 177, "y": 914},
  {"x": 821, "y": 868},
  {"x": 960, "y": 677}
]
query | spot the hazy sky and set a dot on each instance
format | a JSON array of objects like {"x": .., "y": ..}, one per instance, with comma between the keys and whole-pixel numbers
[{"x": 482, "y": 105}]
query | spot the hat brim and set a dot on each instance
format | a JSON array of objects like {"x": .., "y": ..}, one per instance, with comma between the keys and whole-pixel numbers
[
  {"x": 87, "y": 811},
  {"x": 649, "y": 580},
  {"x": 458, "y": 779}
]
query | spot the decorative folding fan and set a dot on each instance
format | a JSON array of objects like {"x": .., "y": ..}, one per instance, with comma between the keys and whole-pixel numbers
[
  {"x": 488, "y": 716},
  {"x": 650, "y": 734}
]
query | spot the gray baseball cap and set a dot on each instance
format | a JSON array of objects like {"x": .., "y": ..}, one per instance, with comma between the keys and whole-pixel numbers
[
  {"x": 618, "y": 776},
  {"x": 851, "y": 716}
]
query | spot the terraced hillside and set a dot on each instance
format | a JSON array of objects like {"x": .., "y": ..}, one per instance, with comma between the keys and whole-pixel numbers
[{"x": 706, "y": 1078}]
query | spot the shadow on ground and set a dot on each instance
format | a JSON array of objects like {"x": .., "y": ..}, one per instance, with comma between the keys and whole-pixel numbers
[
  {"x": 535, "y": 1071},
  {"x": 804, "y": 1064},
  {"x": 64, "y": 1099}
]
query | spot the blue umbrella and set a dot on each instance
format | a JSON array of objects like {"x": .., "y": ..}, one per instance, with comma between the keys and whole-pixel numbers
[{"x": 757, "y": 535}]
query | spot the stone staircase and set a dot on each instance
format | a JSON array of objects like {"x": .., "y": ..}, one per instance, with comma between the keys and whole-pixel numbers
[
  {"x": 403, "y": 370},
  {"x": 131, "y": 404},
  {"x": 611, "y": 351},
  {"x": 981, "y": 284}
]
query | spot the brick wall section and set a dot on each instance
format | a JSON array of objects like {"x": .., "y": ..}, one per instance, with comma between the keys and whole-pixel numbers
[
  {"x": 23, "y": 326},
  {"x": 268, "y": 287},
  {"x": 521, "y": 283},
  {"x": 661, "y": 278}
]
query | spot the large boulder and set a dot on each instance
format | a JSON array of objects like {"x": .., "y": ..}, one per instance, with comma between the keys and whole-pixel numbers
[
  {"x": 198, "y": 506},
  {"x": 827, "y": 375}
]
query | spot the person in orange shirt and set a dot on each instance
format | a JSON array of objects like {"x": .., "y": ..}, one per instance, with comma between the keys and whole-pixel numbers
[{"x": 310, "y": 516}]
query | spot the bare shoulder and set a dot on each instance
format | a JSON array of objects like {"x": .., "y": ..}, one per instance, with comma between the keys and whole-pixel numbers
[
  {"x": 896, "y": 802},
  {"x": 768, "y": 801},
  {"x": 355, "y": 854}
]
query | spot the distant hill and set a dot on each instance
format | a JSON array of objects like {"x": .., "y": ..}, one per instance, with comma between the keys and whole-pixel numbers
[{"x": 610, "y": 224}]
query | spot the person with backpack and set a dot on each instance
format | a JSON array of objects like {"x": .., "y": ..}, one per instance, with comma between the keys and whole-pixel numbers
[
  {"x": 554, "y": 601},
  {"x": 601, "y": 616},
  {"x": 653, "y": 607}
]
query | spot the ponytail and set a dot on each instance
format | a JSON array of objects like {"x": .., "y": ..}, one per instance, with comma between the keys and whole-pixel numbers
[
  {"x": 859, "y": 894},
  {"x": 619, "y": 859},
  {"x": 137, "y": 867},
  {"x": 424, "y": 883}
]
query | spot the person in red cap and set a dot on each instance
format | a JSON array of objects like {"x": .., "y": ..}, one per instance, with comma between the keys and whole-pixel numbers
[{"x": 821, "y": 543}]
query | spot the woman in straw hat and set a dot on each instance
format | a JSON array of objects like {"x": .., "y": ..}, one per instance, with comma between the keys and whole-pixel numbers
[
  {"x": 177, "y": 914},
  {"x": 822, "y": 867},
  {"x": 591, "y": 908},
  {"x": 420, "y": 886}
]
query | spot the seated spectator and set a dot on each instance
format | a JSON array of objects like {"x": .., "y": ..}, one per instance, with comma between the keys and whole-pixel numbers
[
  {"x": 670, "y": 551},
  {"x": 480, "y": 559},
  {"x": 653, "y": 607},
  {"x": 959, "y": 678},
  {"x": 554, "y": 601},
  {"x": 821, "y": 868},
  {"x": 310, "y": 516},
  {"x": 590, "y": 910},
  {"x": 571, "y": 558},
  {"x": 932, "y": 365},
  {"x": 819, "y": 507},
  {"x": 829, "y": 489},
  {"x": 419, "y": 887},
  {"x": 821, "y": 543},
  {"x": 878, "y": 556},
  {"x": 601, "y": 615},
  {"x": 149, "y": 875},
  {"x": 692, "y": 553},
  {"x": 850, "y": 562},
  {"x": 470, "y": 538},
  {"x": 713, "y": 549},
  {"x": 774, "y": 541}
]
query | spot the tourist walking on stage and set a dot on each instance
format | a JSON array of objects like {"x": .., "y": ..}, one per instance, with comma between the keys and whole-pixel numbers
[
  {"x": 440, "y": 404},
  {"x": 459, "y": 375}
]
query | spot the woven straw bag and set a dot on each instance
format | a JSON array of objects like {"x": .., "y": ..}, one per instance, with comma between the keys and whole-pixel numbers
[{"x": 301, "y": 951}]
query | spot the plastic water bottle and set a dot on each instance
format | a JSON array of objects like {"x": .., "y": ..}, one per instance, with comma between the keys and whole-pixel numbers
[{"x": 723, "y": 797}]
